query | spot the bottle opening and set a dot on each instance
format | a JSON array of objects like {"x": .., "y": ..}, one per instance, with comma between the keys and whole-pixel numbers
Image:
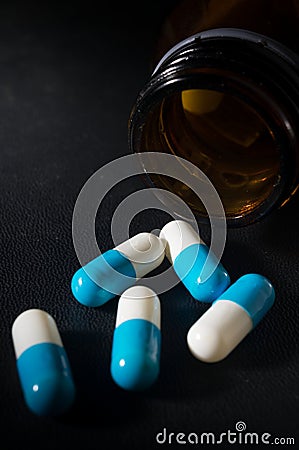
[
  {"x": 225, "y": 138},
  {"x": 225, "y": 100}
]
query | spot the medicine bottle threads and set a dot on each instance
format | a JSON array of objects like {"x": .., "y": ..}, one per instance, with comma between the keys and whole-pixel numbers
[{"x": 226, "y": 98}]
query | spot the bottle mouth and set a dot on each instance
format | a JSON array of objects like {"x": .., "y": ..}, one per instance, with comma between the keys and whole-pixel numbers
[{"x": 225, "y": 100}]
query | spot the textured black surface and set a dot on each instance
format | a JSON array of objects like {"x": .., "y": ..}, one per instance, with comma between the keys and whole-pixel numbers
[{"x": 69, "y": 76}]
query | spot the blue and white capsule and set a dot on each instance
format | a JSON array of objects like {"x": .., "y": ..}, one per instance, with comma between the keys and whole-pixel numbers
[
  {"x": 114, "y": 271},
  {"x": 42, "y": 363},
  {"x": 199, "y": 270},
  {"x": 230, "y": 318},
  {"x": 135, "y": 359}
]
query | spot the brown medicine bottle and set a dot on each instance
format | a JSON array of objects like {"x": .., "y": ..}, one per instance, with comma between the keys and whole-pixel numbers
[{"x": 224, "y": 94}]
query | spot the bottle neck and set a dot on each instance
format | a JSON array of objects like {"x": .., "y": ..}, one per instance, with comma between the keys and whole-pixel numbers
[{"x": 253, "y": 69}]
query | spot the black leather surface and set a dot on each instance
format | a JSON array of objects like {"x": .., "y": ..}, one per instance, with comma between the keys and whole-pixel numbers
[{"x": 69, "y": 76}]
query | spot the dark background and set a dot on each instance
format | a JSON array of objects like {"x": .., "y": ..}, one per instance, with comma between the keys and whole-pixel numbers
[{"x": 69, "y": 76}]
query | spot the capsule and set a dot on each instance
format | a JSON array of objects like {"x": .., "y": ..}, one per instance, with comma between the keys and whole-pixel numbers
[
  {"x": 203, "y": 276},
  {"x": 135, "y": 358},
  {"x": 42, "y": 364},
  {"x": 116, "y": 270},
  {"x": 230, "y": 318}
]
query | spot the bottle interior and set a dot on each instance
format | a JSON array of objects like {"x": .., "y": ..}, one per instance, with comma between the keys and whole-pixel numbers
[{"x": 225, "y": 138}]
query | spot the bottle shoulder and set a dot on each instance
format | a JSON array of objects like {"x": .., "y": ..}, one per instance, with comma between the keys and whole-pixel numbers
[{"x": 273, "y": 18}]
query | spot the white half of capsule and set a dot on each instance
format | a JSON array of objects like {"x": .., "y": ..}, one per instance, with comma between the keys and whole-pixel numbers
[
  {"x": 32, "y": 327},
  {"x": 218, "y": 331},
  {"x": 145, "y": 251},
  {"x": 176, "y": 236},
  {"x": 139, "y": 302}
]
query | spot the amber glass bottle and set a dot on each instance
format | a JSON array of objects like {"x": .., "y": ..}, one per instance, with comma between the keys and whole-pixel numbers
[{"x": 224, "y": 94}]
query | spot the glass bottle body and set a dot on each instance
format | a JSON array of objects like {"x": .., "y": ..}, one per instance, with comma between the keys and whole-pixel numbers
[{"x": 227, "y": 100}]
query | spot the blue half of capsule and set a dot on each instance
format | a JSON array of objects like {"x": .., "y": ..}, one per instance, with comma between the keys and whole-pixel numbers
[
  {"x": 90, "y": 283},
  {"x": 135, "y": 358},
  {"x": 193, "y": 266},
  {"x": 254, "y": 293},
  {"x": 46, "y": 379}
]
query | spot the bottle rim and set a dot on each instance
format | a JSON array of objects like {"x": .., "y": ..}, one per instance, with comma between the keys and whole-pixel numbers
[{"x": 233, "y": 34}]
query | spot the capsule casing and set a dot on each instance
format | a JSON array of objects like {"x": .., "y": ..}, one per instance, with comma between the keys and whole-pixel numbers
[
  {"x": 116, "y": 270},
  {"x": 42, "y": 363},
  {"x": 200, "y": 271},
  {"x": 230, "y": 318},
  {"x": 135, "y": 357}
]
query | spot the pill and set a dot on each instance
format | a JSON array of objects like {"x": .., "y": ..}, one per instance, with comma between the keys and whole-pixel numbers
[
  {"x": 230, "y": 318},
  {"x": 201, "y": 101},
  {"x": 135, "y": 357},
  {"x": 200, "y": 271},
  {"x": 114, "y": 271},
  {"x": 42, "y": 364}
]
